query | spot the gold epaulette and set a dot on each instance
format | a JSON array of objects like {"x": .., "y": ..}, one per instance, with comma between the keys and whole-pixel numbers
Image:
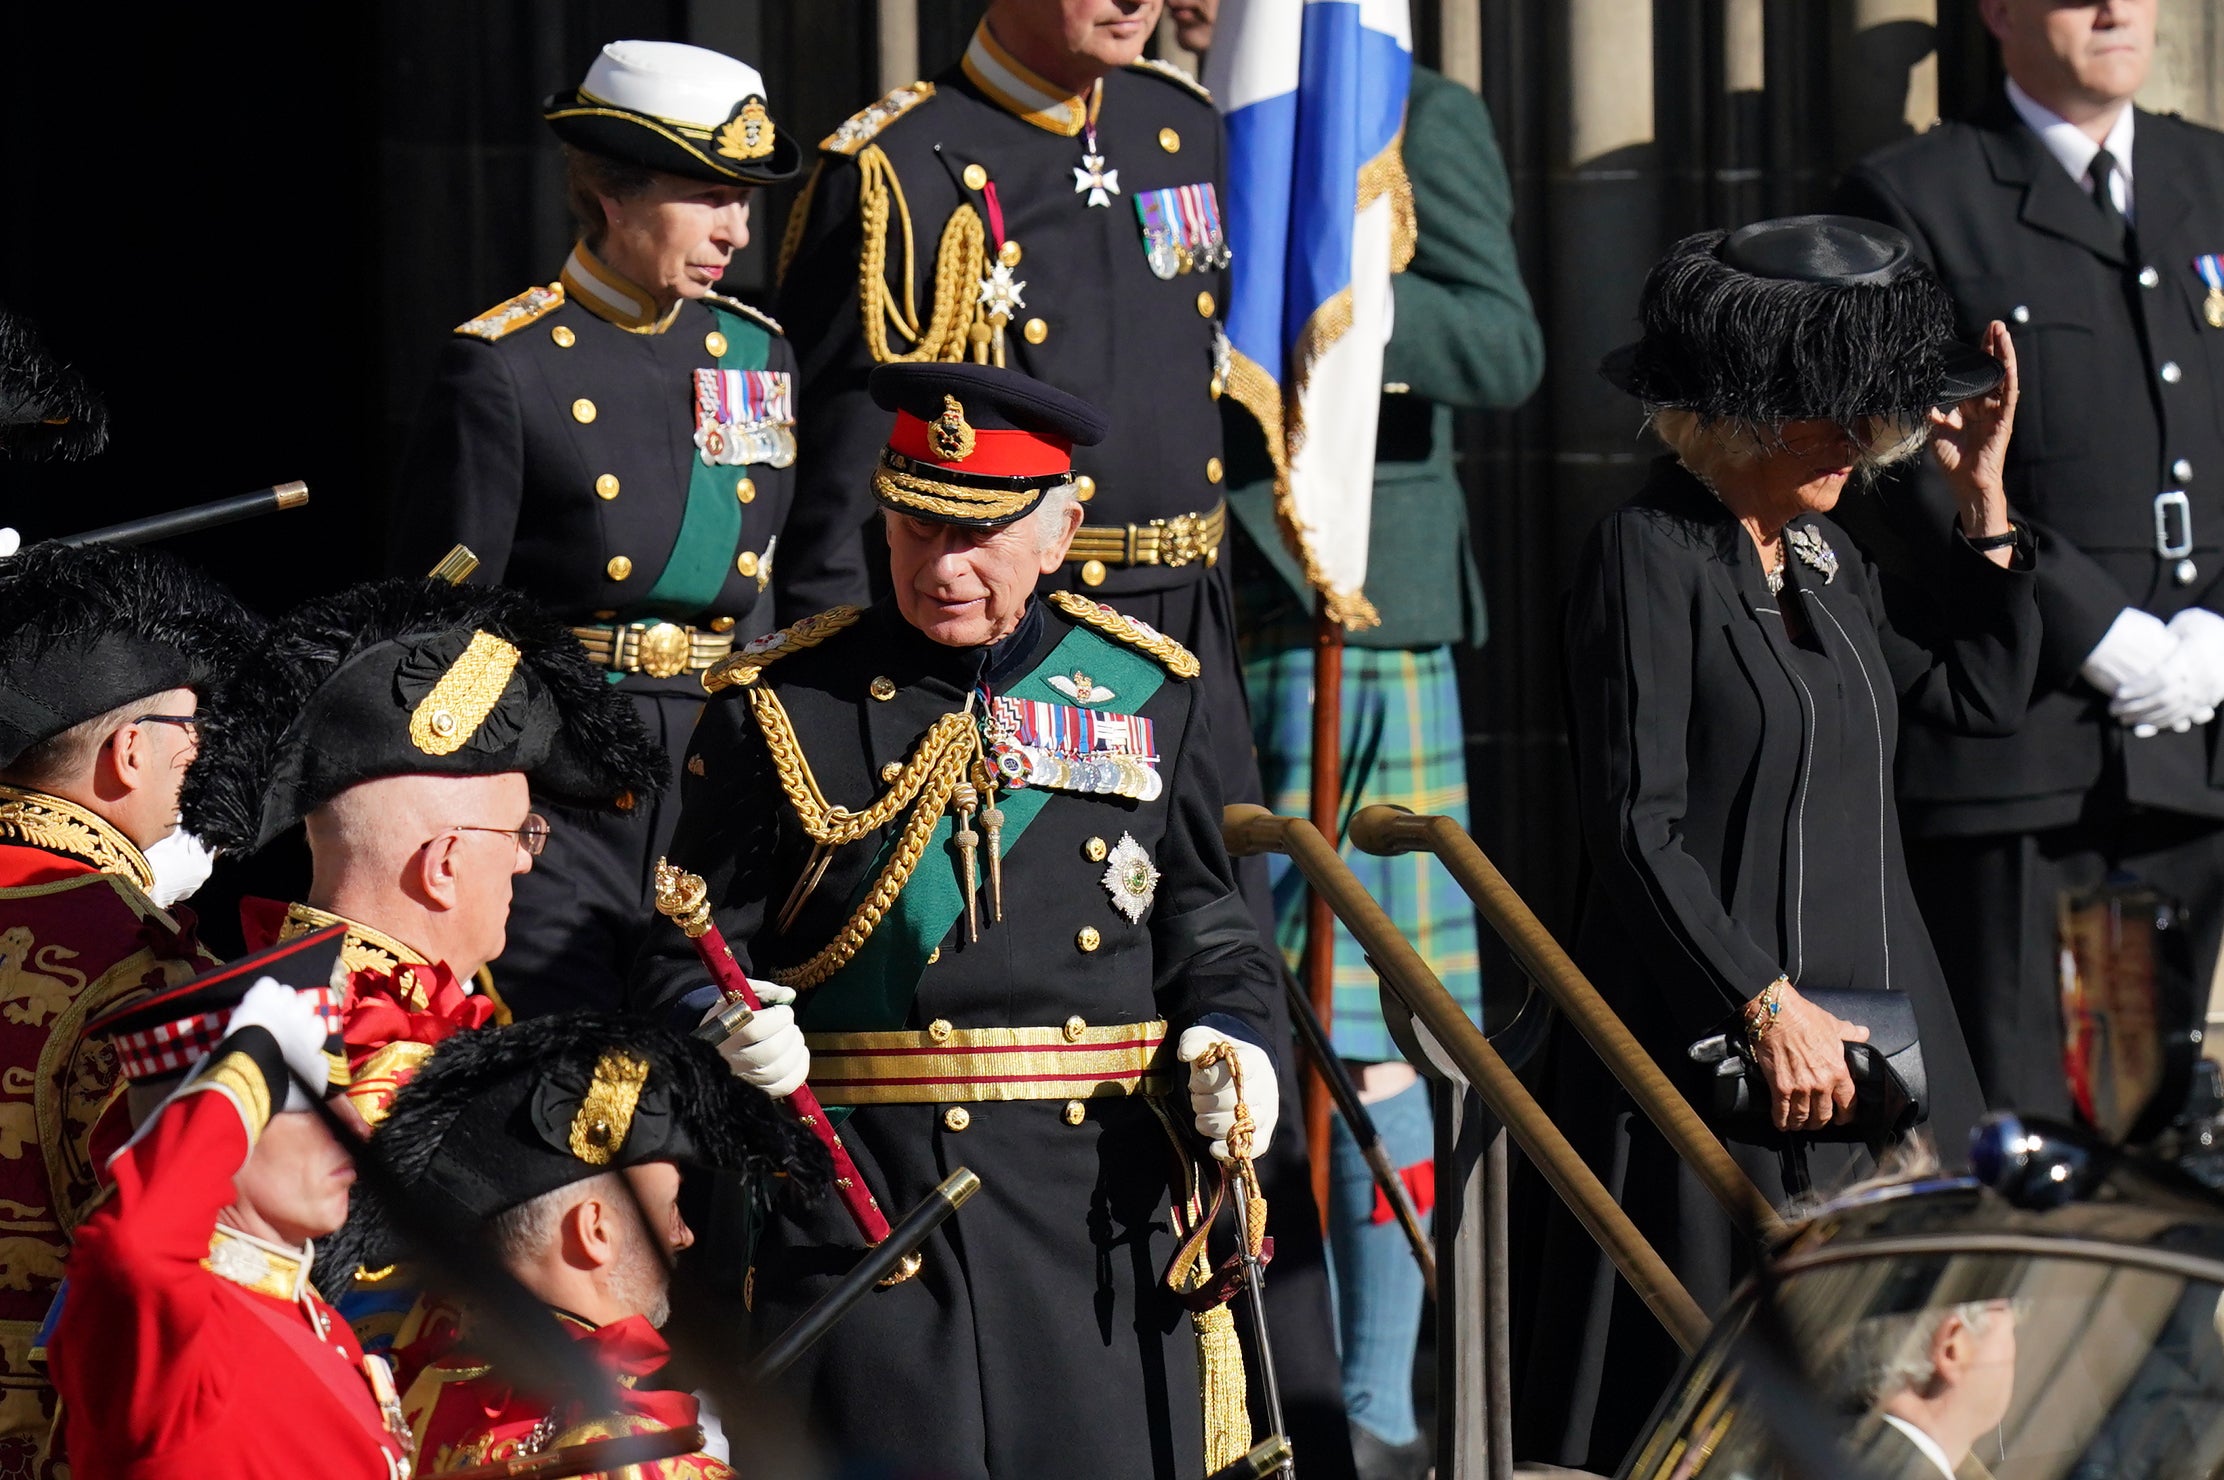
[
  {"x": 735, "y": 305},
  {"x": 1177, "y": 75},
  {"x": 745, "y": 663},
  {"x": 516, "y": 313},
  {"x": 1178, "y": 660},
  {"x": 858, "y": 129}
]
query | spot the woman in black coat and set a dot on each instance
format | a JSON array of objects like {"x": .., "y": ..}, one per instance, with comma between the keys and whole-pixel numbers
[{"x": 1735, "y": 691}]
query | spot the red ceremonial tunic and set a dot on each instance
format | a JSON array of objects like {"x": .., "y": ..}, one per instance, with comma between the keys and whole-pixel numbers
[
  {"x": 462, "y": 1413},
  {"x": 77, "y": 936},
  {"x": 167, "y": 1368}
]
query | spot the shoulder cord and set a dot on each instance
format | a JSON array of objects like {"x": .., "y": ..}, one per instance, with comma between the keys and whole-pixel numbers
[{"x": 960, "y": 260}]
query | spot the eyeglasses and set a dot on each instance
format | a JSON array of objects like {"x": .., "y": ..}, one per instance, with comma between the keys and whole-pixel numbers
[
  {"x": 187, "y": 722},
  {"x": 532, "y": 836}
]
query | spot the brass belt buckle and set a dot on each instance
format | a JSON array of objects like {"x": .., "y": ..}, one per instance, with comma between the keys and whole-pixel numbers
[
  {"x": 663, "y": 650},
  {"x": 1181, "y": 539}
]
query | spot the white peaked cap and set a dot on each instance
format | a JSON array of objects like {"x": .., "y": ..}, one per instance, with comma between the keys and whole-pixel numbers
[{"x": 671, "y": 80}]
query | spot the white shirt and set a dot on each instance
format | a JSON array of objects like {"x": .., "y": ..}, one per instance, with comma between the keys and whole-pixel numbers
[
  {"x": 2075, "y": 149},
  {"x": 1921, "y": 1440}
]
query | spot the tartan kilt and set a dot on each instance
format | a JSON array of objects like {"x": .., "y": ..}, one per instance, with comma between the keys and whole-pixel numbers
[{"x": 1402, "y": 744}]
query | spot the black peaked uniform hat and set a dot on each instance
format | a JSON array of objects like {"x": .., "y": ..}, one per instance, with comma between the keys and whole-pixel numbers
[
  {"x": 46, "y": 408},
  {"x": 1827, "y": 318},
  {"x": 412, "y": 677},
  {"x": 499, "y": 1116},
  {"x": 88, "y": 628},
  {"x": 160, "y": 1036},
  {"x": 977, "y": 445},
  {"x": 683, "y": 109}
]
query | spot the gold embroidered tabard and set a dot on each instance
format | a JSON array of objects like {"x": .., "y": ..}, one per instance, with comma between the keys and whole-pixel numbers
[{"x": 41, "y": 821}]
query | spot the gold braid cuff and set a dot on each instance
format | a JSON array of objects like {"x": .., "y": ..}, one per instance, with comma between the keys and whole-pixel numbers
[{"x": 42, "y": 821}]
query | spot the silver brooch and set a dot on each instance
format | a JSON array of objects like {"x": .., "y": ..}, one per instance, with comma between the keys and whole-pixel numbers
[
  {"x": 1132, "y": 878},
  {"x": 1081, "y": 688},
  {"x": 1812, "y": 549}
]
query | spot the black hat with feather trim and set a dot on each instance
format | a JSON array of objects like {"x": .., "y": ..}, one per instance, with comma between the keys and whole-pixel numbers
[
  {"x": 46, "y": 408},
  {"x": 500, "y": 1116},
  {"x": 1824, "y": 318},
  {"x": 413, "y": 677},
  {"x": 89, "y": 628},
  {"x": 685, "y": 110}
]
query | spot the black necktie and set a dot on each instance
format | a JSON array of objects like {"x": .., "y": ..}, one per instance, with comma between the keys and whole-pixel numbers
[{"x": 2104, "y": 196}]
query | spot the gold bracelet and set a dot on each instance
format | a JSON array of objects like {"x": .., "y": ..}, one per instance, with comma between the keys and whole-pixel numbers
[{"x": 1760, "y": 1013}]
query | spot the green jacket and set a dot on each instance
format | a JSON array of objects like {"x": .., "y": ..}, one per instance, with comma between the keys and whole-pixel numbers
[{"x": 1464, "y": 336}]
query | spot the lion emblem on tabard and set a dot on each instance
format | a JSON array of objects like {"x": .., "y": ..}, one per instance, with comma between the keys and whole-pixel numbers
[{"x": 34, "y": 984}]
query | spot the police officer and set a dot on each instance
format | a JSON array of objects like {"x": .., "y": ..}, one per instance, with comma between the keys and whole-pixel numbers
[
  {"x": 979, "y": 831},
  {"x": 617, "y": 443},
  {"x": 1051, "y": 203},
  {"x": 2093, "y": 230}
]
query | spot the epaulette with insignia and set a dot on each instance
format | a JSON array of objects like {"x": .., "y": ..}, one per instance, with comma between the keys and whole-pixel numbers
[
  {"x": 858, "y": 129},
  {"x": 1173, "y": 74},
  {"x": 1179, "y": 661},
  {"x": 742, "y": 666},
  {"x": 735, "y": 305},
  {"x": 515, "y": 314}
]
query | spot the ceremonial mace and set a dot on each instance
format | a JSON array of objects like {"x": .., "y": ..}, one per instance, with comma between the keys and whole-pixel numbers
[{"x": 682, "y": 898}]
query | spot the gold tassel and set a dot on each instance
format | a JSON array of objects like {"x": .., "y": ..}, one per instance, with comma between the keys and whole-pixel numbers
[{"x": 1221, "y": 1377}]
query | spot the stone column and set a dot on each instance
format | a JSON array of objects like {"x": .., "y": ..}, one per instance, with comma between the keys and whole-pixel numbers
[
  {"x": 1884, "y": 74},
  {"x": 897, "y": 24},
  {"x": 1459, "y": 39},
  {"x": 2188, "y": 74}
]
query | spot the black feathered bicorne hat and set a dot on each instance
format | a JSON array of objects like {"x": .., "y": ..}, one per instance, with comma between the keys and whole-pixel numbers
[
  {"x": 46, "y": 408},
  {"x": 977, "y": 445},
  {"x": 412, "y": 677},
  {"x": 686, "y": 110},
  {"x": 1826, "y": 318},
  {"x": 499, "y": 1116},
  {"x": 88, "y": 628}
]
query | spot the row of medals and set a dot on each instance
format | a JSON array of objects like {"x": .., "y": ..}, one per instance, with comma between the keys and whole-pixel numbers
[
  {"x": 1105, "y": 775},
  {"x": 738, "y": 444},
  {"x": 1170, "y": 258}
]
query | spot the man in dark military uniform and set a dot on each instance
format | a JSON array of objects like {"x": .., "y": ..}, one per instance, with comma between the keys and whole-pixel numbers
[
  {"x": 978, "y": 831},
  {"x": 1051, "y": 203},
  {"x": 2094, "y": 230},
  {"x": 618, "y": 445}
]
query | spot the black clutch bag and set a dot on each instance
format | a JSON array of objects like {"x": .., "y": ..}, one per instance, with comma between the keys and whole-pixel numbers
[{"x": 1891, "y": 1094}]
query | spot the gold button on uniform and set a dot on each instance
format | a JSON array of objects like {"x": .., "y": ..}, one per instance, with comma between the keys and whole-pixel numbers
[
  {"x": 607, "y": 486},
  {"x": 563, "y": 336},
  {"x": 746, "y": 491},
  {"x": 1084, "y": 488},
  {"x": 1169, "y": 141},
  {"x": 619, "y": 567},
  {"x": 975, "y": 177},
  {"x": 1094, "y": 850},
  {"x": 939, "y": 1030},
  {"x": 1092, "y": 573},
  {"x": 715, "y": 342},
  {"x": 1204, "y": 305},
  {"x": 1088, "y": 939},
  {"x": 1009, "y": 254},
  {"x": 1036, "y": 331},
  {"x": 934, "y": 955},
  {"x": 582, "y": 411},
  {"x": 956, "y": 1118},
  {"x": 1074, "y": 1029},
  {"x": 746, "y": 562},
  {"x": 721, "y": 624},
  {"x": 883, "y": 688},
  {"x": 1212, "y": 470},
  {"x": 1076, "y": 1112}
]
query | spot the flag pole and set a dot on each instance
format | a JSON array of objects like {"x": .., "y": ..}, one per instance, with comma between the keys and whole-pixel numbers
[{"x": 1320, "y": 921}]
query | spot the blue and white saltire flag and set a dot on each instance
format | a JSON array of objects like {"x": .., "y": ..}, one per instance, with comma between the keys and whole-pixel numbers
[{"x": 1319, "y": 216}]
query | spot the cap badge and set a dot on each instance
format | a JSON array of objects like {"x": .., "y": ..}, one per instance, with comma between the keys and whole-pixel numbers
[
  {"x": 446, "y": 718},
  {"x": 606, "y": 1112},
  {"x": 950, "y": 434},
  {"x": 1131, "y": 878},
  {"x": 748, "y": 134}
]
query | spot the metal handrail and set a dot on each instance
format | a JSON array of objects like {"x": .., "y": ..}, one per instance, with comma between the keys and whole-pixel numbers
[
  {"x": 1386, "y": 830},
  {"x": 1251, "y": 830}
]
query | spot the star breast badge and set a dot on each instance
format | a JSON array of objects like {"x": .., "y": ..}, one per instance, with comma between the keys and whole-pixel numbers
[{"x": 1131, "y": 878}]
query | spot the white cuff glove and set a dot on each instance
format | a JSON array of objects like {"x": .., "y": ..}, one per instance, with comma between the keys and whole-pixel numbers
[
  {"x": 2169, "y": 698},
  {"x": 1212, "y": 1090},
  {"x": 2200, "y": 635},
  {"x": 767, "y": 1051},
  {"x": 290, "y": 1017},
  {"x": 2134, "y": 645}
]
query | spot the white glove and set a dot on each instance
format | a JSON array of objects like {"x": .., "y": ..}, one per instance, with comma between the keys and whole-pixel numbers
[
  {"x": 2169, "y": 698},
  {"x": 767, "y": 1051},
  {"x": 290, "y": 1017},
  {"x": 2134, "y": 645},
  {"x": 2200, "y": 635},
  {"x": 1212, "y": 1090}
]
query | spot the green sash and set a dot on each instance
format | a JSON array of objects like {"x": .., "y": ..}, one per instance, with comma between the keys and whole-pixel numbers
[
  {"x": 703, "y": 555},
  {"x": 873, "y": 992}
]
